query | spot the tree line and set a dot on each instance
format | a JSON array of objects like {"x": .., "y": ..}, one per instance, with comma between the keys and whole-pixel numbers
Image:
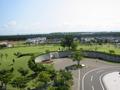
[{"x": 60, "y": 35}]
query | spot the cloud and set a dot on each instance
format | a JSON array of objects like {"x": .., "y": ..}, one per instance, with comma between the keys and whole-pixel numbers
[{"x": 11, "y": 24}]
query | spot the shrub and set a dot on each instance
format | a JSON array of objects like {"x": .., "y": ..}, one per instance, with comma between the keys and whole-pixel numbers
[
  {"x": 23, "y": 72},
  {"x": 111, "y": 51},
  {"x": 47, "y": 51}
]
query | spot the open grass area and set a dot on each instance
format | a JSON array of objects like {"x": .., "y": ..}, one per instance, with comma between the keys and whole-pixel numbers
[
  {"x": 21, "y": 62},
  {"x": 6, "y": 63},
  {"x": 101, "y": 48}
]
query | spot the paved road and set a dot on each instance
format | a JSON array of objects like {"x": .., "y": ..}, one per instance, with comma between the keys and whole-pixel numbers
[
  {"x": 92, "y": 80},
  {"x": 91, "y": 76}
]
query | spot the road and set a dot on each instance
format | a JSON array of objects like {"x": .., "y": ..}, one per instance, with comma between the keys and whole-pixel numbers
[{"x": 91, "y": 79}]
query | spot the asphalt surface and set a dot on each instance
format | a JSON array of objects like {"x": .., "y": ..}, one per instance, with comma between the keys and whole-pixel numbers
[
  {"x": 92, "y": 80},
  {"x": 90, "y": 76}
]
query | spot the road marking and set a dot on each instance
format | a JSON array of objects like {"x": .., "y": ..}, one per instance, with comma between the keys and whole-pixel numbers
[
  {"x": 100, "y": 79},
  {"x": 91, "y": 78},
  {"x": 79, "y": 79},
  {"x": 92, "y": 71},
  {"x": 100, "y": 71},
  {"x": 93, "y": 88}
]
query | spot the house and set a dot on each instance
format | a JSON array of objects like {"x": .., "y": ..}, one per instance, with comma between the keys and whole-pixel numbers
[
  {"x": 54, "y": 41},
  {"x": 38, "y": 40},
  {"x": 5, "y": 44}
]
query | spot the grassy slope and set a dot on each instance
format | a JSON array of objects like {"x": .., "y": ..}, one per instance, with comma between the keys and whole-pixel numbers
[{"x": 21, "y": 62}]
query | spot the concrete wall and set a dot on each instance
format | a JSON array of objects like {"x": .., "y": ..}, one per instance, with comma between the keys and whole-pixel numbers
[
  {"x": 42, "y": 58},
  {"x": 102, "y": 56},
  {"x": 89, "y": 54},
  {"x": 52, "y": 55}
]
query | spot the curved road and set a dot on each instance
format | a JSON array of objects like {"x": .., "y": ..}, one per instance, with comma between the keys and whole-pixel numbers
[
  {"x": 92, "y": 80},
  {"x": 90, "y": 76}
]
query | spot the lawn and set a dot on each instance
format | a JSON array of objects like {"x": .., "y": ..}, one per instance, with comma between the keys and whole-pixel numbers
[
  {"x": 101, "y": 48},
  {"x": 22, "y": 61}
]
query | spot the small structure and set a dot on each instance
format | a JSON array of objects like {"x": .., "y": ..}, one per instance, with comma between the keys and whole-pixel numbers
[
  {"x": 38, "y": 40},
  {"x": 5, "y": 44}
]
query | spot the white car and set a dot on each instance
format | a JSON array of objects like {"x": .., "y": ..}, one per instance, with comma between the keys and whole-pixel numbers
[{"x": 83, "y": 65}]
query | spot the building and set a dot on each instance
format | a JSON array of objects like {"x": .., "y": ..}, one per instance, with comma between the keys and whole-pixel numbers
[
  {"x": 38, "y": 40},
  {"x": 5, "y": 44}
]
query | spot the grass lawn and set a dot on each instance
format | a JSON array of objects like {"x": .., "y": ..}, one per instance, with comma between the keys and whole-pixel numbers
[
  {"x": 102, "y": 48},
  {"x": 22, "y": 61}
]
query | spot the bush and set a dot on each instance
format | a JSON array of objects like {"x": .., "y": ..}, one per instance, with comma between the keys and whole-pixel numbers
[
  {"x": 19, "y": 54},
  {"x": 47, "y": 51},
  {"x": 23, "y": 72},
  {"x": 111, "y": 51}
]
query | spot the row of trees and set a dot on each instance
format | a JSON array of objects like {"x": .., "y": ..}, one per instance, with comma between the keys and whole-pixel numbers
[{"x": 1, "y": 55}]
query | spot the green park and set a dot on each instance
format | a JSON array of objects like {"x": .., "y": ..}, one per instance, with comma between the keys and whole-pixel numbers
[{"x": 19, "y": 71}]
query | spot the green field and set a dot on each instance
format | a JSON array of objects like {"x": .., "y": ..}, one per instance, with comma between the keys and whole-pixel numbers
[
  {"x": 101, "y": 48},
  {"x": 22, "y": 61}
]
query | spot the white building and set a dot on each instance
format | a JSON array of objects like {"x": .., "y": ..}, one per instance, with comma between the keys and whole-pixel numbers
[
  {"x": 6, "y": 44},
  {"x": 37, "y": 40}
]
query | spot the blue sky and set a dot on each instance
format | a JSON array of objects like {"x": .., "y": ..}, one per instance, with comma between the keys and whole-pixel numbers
[{"x": 45, "y": 16}]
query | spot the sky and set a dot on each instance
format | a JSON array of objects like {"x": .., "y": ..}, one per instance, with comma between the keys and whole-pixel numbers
[{"x": 46, "y": 16}]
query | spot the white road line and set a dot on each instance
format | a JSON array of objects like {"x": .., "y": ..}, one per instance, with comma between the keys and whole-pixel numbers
[
  {"x": 79, "y": 79},
  {"x": 93, "y": 88},
  {"x": 92, "y": 71},
  {"x": 100, "y": 79},
  {"x": 91, "y": 78},
  {"x": 100, "y": 71}
]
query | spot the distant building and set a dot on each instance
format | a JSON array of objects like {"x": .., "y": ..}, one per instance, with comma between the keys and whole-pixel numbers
[
  {"x": 5, "y": 44},
  {"x": 38, "y": 40},
  {"x": 54, "y": 41}
]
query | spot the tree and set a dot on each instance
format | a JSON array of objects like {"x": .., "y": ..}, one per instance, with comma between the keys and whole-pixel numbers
[
  {"x": 34, "y": 66},
  {"x": 51, "y": 88},
  {"x": 13, "y": 60},
  {"x": 1, "y": 56},
  {"x": 77, "y": 56},
  {"x": 74, "y": 45},
  {"x": 5, "y": 77},
  {"x": 67, "y": 41},
  {"x": 19, "y": 82},
  {"x": 37, "y": 84},
  {"x": 23, "y": 72},
  {"x": 67, "y": 75},
  {"x": 6, "y": 55},
  {"x": 44, "y": 76},
  {"x": 111, "y": 51},
  {"x": 63, "y": 80}
]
